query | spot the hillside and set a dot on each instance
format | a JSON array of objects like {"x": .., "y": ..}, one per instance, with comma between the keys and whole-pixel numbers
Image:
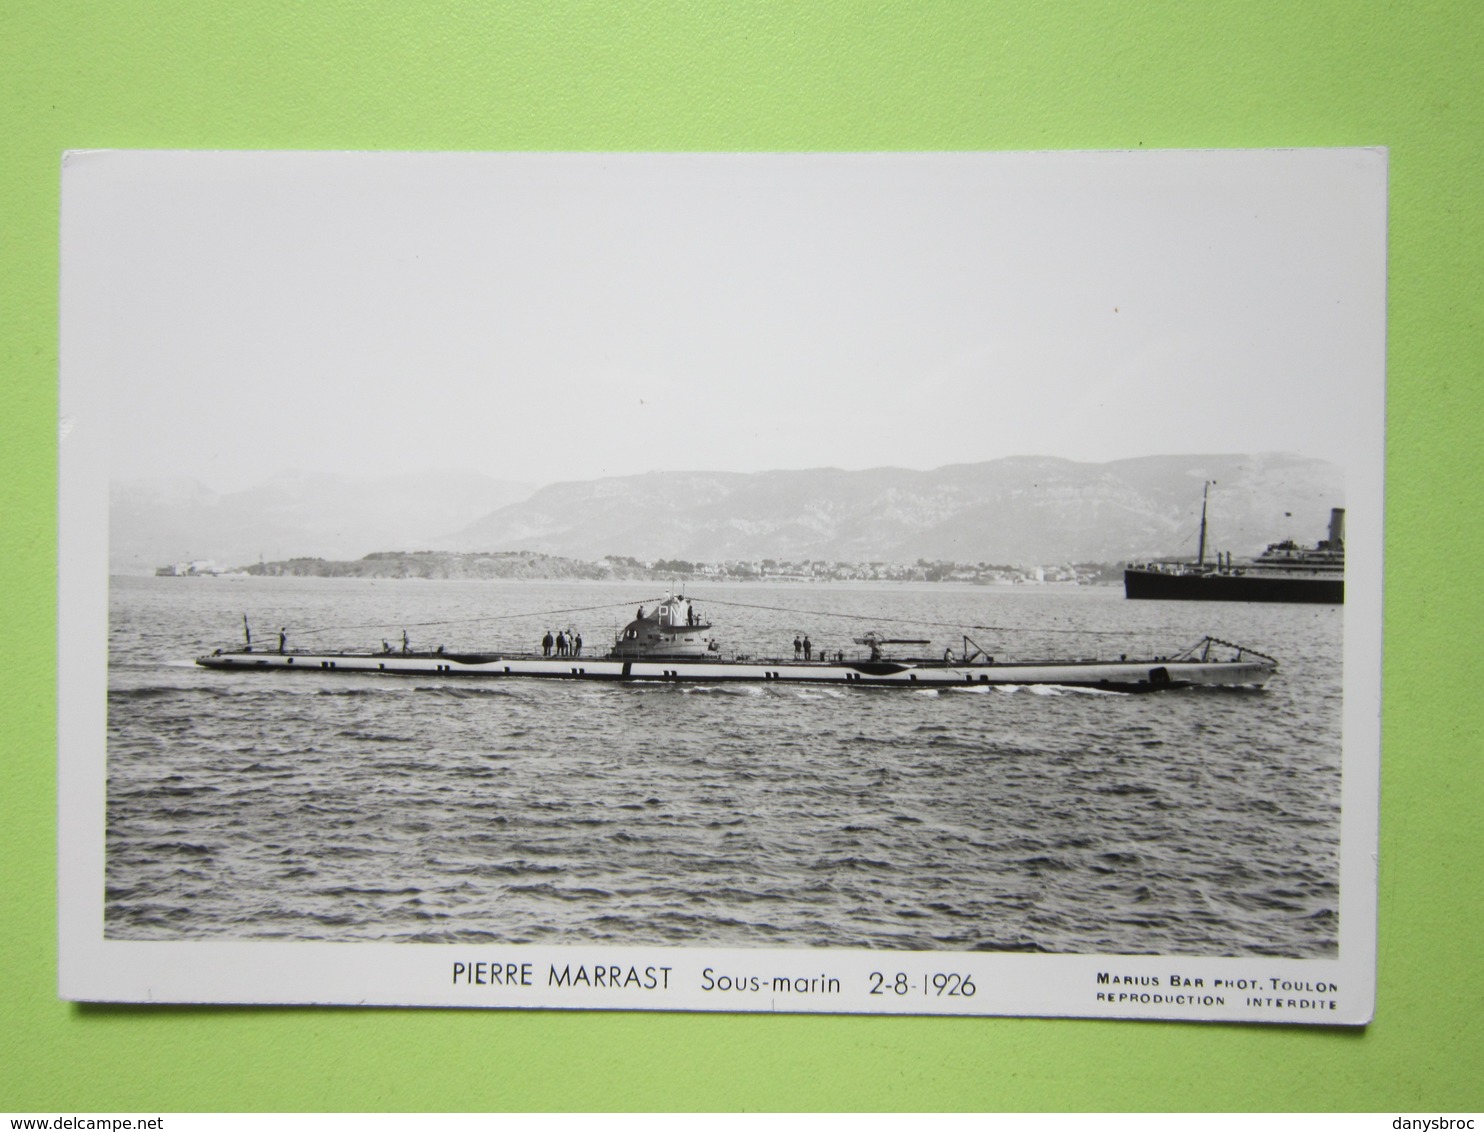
[{"x": 1022, "y": 510}]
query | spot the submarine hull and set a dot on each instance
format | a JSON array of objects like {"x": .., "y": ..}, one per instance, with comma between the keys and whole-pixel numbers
[{"x": 1121, "y": 675}]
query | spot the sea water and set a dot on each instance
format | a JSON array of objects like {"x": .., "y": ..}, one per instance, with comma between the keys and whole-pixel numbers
[{"x": 318, "y": 806}]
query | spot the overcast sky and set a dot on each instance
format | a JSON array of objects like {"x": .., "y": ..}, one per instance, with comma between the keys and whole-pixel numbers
[{"x": 542, "y": 318}]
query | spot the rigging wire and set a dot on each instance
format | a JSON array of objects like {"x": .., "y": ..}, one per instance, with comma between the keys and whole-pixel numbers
[
  {"x": 916, "y": 620},
  {"x": 466, "y": 621},
  {"x": 382, "y": 625}
]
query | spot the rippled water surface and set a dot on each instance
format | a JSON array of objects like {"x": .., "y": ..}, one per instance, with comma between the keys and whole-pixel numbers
[{"x": 318, "y": 806}]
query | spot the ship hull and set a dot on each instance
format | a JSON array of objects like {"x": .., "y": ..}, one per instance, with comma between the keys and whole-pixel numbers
[
  {"x": 1220, "y": 586},
  {"x": 1117, "y": 676}
]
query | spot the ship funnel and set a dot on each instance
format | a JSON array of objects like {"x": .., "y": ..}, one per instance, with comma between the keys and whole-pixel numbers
[{"x": 1337, "y": 528}]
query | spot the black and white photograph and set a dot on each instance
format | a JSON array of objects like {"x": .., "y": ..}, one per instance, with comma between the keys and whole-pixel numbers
[{"x": 892, "y": 583}]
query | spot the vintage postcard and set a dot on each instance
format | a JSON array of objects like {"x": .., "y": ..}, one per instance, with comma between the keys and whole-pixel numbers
[{"x": 894, "y": 583}]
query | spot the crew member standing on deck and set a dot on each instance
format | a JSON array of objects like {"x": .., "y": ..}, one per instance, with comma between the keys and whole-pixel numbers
[
  {"x": 283, "y": 640},
  {"x": 798, "y": 646},
  {"x": 808, "y": 647},
  {"x": 546, "y": 644},
  {"x": 577, "y": 644},
  {"x": 406, "y": 644}
]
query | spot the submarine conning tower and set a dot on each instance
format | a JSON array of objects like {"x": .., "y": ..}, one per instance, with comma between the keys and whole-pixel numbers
[{"x": 672, "y": 628}]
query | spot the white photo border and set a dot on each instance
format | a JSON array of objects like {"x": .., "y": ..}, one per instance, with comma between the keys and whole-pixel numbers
[{"x": 95, "y": 968}]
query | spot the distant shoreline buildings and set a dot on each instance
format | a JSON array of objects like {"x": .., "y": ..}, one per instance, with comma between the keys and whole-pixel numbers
[
  {"x": 201, "y": 568},
  {"x": 526, "y": 564}
]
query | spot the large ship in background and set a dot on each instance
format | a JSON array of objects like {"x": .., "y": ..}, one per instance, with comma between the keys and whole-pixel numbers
[{"x": 1285, "y": 572}]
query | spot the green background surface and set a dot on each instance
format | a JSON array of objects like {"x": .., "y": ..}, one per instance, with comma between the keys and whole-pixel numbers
[{"x": 825, "y": 76}]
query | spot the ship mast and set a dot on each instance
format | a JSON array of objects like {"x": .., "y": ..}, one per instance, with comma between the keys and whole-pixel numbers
[{"x": 1201, "y": 555}]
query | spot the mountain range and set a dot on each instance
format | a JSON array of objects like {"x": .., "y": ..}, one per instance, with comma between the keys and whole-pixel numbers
[
  {"x": 162, "y": 521},
  {"x": 1031, "y": 510}
]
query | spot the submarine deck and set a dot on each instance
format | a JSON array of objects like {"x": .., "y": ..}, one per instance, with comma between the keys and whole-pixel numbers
[{"x": 1110, "y": 675}]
